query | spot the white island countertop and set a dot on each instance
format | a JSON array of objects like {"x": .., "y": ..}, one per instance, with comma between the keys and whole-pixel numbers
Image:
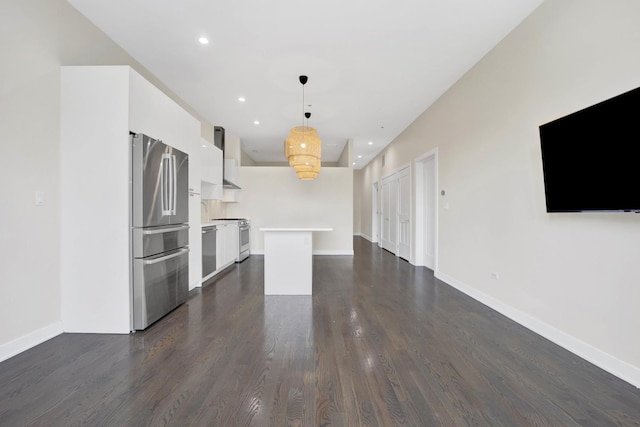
[
  {"x": 297, "y": 228},
  {"x": 288, "y": 259}
]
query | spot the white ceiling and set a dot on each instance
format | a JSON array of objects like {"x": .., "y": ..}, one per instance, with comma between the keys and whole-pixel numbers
[{"x": 374, "y": 65}]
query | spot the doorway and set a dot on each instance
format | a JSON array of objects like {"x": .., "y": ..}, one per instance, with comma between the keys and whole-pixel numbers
[{"x": 426, "y": 230}]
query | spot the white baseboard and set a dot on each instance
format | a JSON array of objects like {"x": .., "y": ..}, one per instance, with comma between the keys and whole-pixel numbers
[
  {"x": 609, "y": 363},
  {"x": 331, "y": 252},
  {"x": 357, "y": 234},
  {"x": 32, "y": 339},
  {"x": 316, "y": 252},
  {"x": 365, "y": 236}
]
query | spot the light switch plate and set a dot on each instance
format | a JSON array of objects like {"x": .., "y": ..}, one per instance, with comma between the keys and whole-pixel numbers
[{"x": 40, "y": 200}]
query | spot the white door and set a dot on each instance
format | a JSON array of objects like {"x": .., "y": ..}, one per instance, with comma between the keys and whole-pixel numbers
[
  {"x": 389, "y": 211},
  {"x": 404, "y": 213},
  {"x": 430, "y": 213},
  {"x": 426, "y": 210},
  {"x": 379, "y": 212},
  {"x": 374, "y": 213}
]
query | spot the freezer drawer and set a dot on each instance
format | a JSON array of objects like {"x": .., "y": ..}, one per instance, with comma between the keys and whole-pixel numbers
[
  {"x": 156, "y": 240},
  {"x": 160, "y": 284}
]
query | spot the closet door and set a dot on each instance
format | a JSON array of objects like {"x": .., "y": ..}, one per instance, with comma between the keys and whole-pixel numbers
[
  {"x": 404, "y": 213},
  {"x": 389, "y": 214}
]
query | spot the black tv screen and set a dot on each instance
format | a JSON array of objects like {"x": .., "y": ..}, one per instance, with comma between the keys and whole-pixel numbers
[{"x": 591, "y": 158}]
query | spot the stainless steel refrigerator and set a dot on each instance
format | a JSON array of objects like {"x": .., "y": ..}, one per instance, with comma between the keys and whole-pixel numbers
[{"x": 159, "y": 229}]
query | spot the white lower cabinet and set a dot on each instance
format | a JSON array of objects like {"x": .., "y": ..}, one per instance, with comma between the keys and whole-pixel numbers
[
  {"x": 233, "y": 242},
  {"x": 226, "y": 245},
  {"x": 195, "y": 242},
  {"x": 220, "y": 246}
]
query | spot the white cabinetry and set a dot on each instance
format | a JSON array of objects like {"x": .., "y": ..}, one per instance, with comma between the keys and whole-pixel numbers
[
  {"x": 195, "y": 242},
  {"x": 195, "y": 237},
  {"x": 211, "y": 164},
  {"x": 221, "y": 234},
  {"x": 233, "y": 242},
  {"x": 99, "y": 106},
  {"x": 226, "y": 245}
]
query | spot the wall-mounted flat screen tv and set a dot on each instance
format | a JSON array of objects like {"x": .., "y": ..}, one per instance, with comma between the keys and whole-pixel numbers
[{"x": 591, "y": 158}]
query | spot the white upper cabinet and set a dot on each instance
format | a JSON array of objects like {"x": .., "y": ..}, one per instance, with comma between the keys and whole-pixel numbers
[
  {"x": 211, "y": 170},
  {"x": 195, "y": 169},
  {"x": 211, "y": 163}
]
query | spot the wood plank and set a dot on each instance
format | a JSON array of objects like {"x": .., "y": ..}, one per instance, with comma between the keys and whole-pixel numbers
[{"x": 379, "y": 343}]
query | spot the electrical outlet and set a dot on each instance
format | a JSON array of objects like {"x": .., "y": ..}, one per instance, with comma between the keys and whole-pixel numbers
[{"x": 495, "y": 275}]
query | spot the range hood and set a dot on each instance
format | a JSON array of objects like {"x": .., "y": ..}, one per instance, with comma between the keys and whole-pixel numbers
[
  {"x": 228, "y": 176},
  {"x": 228, "y": 184}
]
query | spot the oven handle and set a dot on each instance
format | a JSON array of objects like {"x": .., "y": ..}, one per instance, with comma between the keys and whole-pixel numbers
[{"x": 165, "y": 258}]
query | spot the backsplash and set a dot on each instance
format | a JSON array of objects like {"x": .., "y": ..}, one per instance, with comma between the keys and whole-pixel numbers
[{"x": 210, "y": 209}]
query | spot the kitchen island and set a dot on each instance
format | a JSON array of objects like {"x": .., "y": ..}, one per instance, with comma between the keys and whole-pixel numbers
[{"x": 288, "y": 259}]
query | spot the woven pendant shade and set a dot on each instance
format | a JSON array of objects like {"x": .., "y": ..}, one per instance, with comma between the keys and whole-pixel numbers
[
  {"x": 305, "y": 176},
  {"x": 303, "y": 148}
]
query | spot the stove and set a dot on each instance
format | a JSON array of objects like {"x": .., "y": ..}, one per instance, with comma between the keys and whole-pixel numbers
[{"x": 229, "y": 219}]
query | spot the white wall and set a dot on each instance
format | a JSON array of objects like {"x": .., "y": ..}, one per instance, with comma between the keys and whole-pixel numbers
[
  {"x": 572, "y": 277},
  {"x": 274, "y": 196},
  {"x": 36, "y": 38},
  {"x": 357, "y": 202}
]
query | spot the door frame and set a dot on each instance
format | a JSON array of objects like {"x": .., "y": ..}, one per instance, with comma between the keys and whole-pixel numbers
[
  {"x": 375, "y": 211},
  {"x": 420, "y": 212}
]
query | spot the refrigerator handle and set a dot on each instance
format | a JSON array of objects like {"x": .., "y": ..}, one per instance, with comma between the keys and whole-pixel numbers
[
  {"x": 165, "y": 193},
  {"x": 174, "y": 186}
]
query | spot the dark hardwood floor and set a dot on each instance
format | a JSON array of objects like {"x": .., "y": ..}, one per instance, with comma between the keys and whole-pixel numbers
[{"x": 380, "y": 343}]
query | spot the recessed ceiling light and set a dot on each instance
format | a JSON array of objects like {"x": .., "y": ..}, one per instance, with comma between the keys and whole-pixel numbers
[
  {"x": 203, "y": 40},
  {"x": 354, "y": 163},
  {"x": 204, "y": 146},
  {"x": 360, "y": 156},
  {"x": 255, "y": 122},
  {"x": 370, "y": 142},
  {"x": 241, "y": 99}
]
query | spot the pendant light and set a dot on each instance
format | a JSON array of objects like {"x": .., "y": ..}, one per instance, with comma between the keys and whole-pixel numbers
[{"x": 303, "y": 147}]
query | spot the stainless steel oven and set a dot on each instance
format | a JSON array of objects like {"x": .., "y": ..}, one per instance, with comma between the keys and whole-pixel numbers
[{"x": 244, "y": 227}]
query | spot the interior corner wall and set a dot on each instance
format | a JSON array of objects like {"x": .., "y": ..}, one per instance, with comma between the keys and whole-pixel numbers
[
  {"x": 36, "y": 38},
  {"x": 275, "y": 197},
  {"x": 571, "y": 277},
  {"x": 345, "y": 157},
  {"x": 246, "y": 160},
  {"x": 357, "y": 202},
  {"x": 370, "y": 174}
]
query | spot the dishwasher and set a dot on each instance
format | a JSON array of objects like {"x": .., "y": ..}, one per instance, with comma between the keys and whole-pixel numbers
[{"x": 208, "y": 251}]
